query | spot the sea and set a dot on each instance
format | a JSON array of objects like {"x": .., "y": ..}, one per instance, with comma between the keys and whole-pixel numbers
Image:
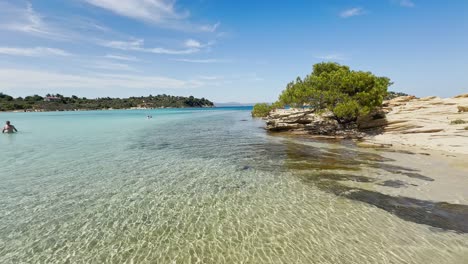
[{"x": 212, "y": 186}]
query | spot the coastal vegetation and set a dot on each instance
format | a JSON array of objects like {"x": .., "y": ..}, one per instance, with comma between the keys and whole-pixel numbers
[
  {"x": 332, "y": 87},
  {"x": 58, "y": 102},
  {"x": 391, "y": 95},
  {"x": 261, "y": 110},
  {"x": 346, "y": 93},
  {"x": 458, "y": 122}
]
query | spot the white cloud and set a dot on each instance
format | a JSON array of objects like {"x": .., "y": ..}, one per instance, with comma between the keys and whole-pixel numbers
[
  {"x": 148, "y": 10},
  {"x": 357, "y": 11},
  {"x": 159, "y": 12},
  {"x": 138, "y": 45},
  {"x": 191, "y": 43},
  {"x": 407, "y": 3},
  {"x": 200, "y": 60},
  {"x": 13, "y": 79},
  {"x": 33, "y": 52},
  {"x": 121, "y": 57},
  {"x": 172, "y": 51},
  {"x": 332, "y": 57}
]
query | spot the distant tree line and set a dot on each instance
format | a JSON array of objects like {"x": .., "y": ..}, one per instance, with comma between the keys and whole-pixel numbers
[{"x": 58, "y": 102}]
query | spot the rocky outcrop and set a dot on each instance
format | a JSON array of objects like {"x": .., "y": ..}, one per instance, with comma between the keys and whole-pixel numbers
[
  {"x": 405, "y": 120},
  {"x": 426, "y": 123},
  {"x": 306, "y": 121},
  {"x": 462, "y": 108}
]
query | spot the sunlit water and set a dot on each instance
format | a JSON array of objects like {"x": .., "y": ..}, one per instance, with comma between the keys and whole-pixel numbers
[{"x": 198, "y": 186}]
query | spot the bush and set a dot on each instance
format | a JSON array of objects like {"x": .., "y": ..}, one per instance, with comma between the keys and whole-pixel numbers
[
  {"x": 261, "y": 110},
  {"x": 458, "y": 122},
  {"x": 334, "y": 87},
  {"x": 390, "y": 95}
]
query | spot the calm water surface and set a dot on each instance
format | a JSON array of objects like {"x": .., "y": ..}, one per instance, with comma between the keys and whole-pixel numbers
[{"x": 207, "y": 186}]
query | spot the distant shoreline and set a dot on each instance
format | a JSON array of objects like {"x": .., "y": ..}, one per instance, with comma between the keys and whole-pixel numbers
[{"x": 104, "y": 109}]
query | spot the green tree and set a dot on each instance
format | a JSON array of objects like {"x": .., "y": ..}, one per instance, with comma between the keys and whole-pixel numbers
[
  {"x": 261, "y": 110},
  {"x": 334, "y": 87}
]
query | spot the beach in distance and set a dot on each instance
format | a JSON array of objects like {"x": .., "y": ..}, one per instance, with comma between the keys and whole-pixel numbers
[{"x": 211, "y": 185}]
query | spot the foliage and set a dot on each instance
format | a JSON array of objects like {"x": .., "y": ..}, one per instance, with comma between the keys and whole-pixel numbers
[
  {"x": 390, "y": 95},
  {"x": 331, "y": 86},
  {"x": 63, "y": 103},
  {"x": 458, "y": 122},
  {"x": 261, "y": 110}
]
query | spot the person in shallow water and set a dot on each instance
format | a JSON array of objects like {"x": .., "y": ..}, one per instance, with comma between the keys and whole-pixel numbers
[{"x": 9, "y": 128}]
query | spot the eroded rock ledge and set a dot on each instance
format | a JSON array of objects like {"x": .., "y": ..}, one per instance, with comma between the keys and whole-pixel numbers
[{"x": 307, "y": 122}]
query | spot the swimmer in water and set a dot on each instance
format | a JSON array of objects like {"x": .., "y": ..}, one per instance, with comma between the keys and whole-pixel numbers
[{"x": 9, "y": 128}]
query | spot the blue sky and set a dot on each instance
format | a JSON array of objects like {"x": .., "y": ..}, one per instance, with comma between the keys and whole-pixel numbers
[{"x": 242, "y": 51}]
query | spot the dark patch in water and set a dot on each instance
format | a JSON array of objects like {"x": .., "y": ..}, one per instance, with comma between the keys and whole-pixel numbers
[
  {"x": 437, "y": 215},
  {"x": 337, "y": 177},
  {"x": 441, "y": 215},
  {"x": 246, "y": 167},
  {"x": 411, "y": 173},
  {"x": 393, "y": 183},
  {"x": 162, "y": 145},
  {"x": 416, "y": 176},
  {"x": 303, "y": 157}
]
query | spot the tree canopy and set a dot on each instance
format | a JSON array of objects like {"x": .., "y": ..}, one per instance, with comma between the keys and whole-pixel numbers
[
  {"x": 58, "y": 102},
  {"x": 334, "y": 87},
  {"x": 261, "y": 110}
]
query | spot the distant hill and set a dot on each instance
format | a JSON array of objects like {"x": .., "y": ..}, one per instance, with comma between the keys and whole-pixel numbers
[{"x": 58, "y": 102}]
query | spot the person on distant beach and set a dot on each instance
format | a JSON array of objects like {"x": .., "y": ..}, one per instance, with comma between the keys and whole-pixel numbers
[{"x": 9, "y": 128}]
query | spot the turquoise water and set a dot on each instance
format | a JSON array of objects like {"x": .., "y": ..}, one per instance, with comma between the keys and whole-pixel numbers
[{"x": 198, "y": 186}]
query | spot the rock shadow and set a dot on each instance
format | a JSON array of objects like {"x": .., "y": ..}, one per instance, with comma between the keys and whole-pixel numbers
[{"x": 441, "y": 215}]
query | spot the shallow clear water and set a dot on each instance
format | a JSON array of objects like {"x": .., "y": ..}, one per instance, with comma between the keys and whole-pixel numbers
[{"x": 202, "y": 186}]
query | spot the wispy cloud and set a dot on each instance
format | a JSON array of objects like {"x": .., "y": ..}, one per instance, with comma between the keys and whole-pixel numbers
[
  {"x": 112, "y": 66},
  {"x": 21, "y": 17},
  {"x": 138, "y": 45},
  {"x": 357, "y": 11},
  {"x": 25, "y": 19},
  {"x": 332, "y": 57},
  {"x": 209, "y": 28},
  {"x": 121, "y": 57},
  {"x": 407, "y": 3},
  {"x": 159, "y": 12},
  {"x": 200, "y": 60},
  {"x": 12, "y": 79},
  {"x": 204, "y": 77},
  {"x": 33, "y": 52}
]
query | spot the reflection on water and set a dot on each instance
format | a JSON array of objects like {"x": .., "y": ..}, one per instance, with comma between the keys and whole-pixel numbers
[{"x": 208, "y": 187}]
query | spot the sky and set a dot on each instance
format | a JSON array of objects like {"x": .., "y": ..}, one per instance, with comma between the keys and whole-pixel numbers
[{"x": 227, "y": 51}]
